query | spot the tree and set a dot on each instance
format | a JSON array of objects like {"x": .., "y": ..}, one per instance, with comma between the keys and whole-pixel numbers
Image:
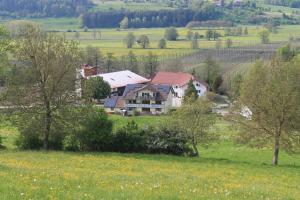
[
  {"x": 189, "y": 35},
  {"x": 218, "y": 44},
  {"x": 246, "y": 31},
  {"x": 171, "y": 34},
  {"x": 195, "y": 44},
  {"x": 129, "y": 40},
  {"x": 286, "y": 53},
  {"x": 151, "y": 63},
  {"x": 132, "y": 62},
  {"x": 143, "y": 41},
  {"x": 77, "y": 35},
  {"x": 212, "y": 73},
  {"x": 190, "y": 94},
  {"x": 5, "y": 46},
  {"x": 235, "y": 83},
  {"x": 208, "y": 34},
  {"x": 93, "y": 56},
  {"x": 194, "y": 120},
  {"x": 228, "y": 43},
  {"x": 96, "y": 88},
  {"x": 109, "y": 61},
  {"x": 45, "y": 81},
  {"x": 215, "y": 35},
  {"x": 162, "y": 44},
  {"x": 264, "y": 36},
  {"x": 124, "y": 24},
  {"x": 270, "y": 96}
]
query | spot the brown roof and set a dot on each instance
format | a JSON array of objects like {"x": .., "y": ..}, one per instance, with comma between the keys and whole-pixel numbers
[{"x": 174, "y": 78}]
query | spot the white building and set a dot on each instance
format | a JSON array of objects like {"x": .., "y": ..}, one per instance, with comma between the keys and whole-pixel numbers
[
  {"x": 179, "y": 81},
  {"x": 119, "y": 80}
]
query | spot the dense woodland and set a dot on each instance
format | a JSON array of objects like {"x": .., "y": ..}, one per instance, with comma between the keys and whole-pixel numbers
[{"x": 43, "y": 8}]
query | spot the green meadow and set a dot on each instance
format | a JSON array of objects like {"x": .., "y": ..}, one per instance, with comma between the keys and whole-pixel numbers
[
  {"x": 225, "y": 170},
  {"x": 112, "y": 40}
]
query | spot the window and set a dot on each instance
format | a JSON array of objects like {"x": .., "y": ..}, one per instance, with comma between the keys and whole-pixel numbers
[
  {"x": 158, "y": 102},
  {"x": 176, "y": 86},
  {"x": 145, "y": 94},
  {"x": 158, "y": 109},
  {"x": 197, "y": 84},
  {"x": 199, "y": 91},
  {"x": 176, "y": 94}
]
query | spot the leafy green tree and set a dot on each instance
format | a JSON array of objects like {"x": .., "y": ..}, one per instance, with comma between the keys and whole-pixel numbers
[
  {"x": 45, "y": 83},
  {"x": 162, "y": 44},
  {"x": 218, "y": 44},
  {"x": 171, "y": 34},
  {"x": 264, "y": 36},
  {"x": 96, "y": 88},
  {"x": 124, "y": 24},
  {"x": 269, "y": 102},
  {"x": 129, "y": 40},
  {"x": 191, "y": 93},
  {"x": 228, "y": 43},
  {"x": 5, "y": 46},
  {"x": 212, "y": 73},
  {"x": 235, "y": 83},
  {"x": 77, "y": 35},
  {"x": 195, "y": 44},
  {"x": 93, "y": 56},
  {"x": 286, "y": 53},
  {"x": 189, "y": 35},
  {"x": 132, "y": 62},
  {"x": 194, "y": 119},
  {"x": 209, "y": 34},
  {"x": 110, "y": 61},
  {"x": 151, "y": 64},
  {"x": 143, "y": 41},
  {"x": 246, "y": 31}
]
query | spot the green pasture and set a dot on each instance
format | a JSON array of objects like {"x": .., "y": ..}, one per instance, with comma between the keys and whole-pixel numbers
[{"x": 224, "y": 171}]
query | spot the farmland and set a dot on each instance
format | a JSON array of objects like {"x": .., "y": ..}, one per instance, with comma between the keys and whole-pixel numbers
[{"x": 224, "y": 171}]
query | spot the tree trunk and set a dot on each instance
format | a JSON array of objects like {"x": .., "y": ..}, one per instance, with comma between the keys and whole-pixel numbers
[
  {"x": 196, "y": 152},
  {"x": 276, "y": 149},
  {"x": 48, "y": 121}
]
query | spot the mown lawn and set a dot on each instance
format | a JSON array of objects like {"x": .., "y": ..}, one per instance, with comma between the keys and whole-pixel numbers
[{"x": 224, "y": 171}]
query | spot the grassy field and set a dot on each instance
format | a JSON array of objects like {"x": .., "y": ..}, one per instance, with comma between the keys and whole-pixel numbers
[
  {"x": 117, "y": 5},
  {"x": 111, "y": 40},
  {"x": 224, "y": 171}
]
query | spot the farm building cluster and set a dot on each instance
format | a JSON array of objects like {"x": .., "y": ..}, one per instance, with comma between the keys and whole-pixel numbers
[{"x": 131, "y": 92}]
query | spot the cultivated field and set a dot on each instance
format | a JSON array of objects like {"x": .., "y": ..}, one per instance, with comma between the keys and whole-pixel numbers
[{"x": 224, "y": 171}]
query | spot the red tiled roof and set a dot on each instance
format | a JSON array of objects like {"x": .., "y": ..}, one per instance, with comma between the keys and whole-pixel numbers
[{"x": 174, "y": 78}]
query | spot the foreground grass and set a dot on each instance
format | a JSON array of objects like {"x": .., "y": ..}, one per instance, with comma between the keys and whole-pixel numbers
[{"x": 224, "y": 171}]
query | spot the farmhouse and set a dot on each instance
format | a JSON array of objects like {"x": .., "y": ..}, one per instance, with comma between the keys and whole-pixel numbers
[
  {"x": 179, "y": 82},
  {"x": 119, "y": 80},
  {"x": 144, "y": 98}
]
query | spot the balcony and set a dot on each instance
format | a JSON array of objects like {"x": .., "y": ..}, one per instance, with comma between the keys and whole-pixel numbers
[{"x": 144, "y": 106}]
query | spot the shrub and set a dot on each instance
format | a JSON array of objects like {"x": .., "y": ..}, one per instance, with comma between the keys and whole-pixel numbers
[
  {"x": 71, "y": 143},
  {"x": 167, "y": 140},
  {"x": 95, "y": 133},
  {"x": 30, "y": 133},
  {"x": 129, "y": 139},
  {"x": 1, "y": 146}
]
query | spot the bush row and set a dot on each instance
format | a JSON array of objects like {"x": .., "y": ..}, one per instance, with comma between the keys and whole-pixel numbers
[{"x": 93, "y": 132}]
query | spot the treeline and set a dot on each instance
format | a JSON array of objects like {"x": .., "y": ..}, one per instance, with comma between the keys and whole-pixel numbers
[
  {"x": 289, "y": 3},
  {"x": 146, "y": 19},
  {"x": 42, "y": 8}
]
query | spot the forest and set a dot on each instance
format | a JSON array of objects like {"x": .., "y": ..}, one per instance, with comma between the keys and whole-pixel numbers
[{"x": 43, "y": 8}]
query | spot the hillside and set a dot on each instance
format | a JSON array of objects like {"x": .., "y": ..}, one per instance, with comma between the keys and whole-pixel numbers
[{"x": 223, "y": 171}]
